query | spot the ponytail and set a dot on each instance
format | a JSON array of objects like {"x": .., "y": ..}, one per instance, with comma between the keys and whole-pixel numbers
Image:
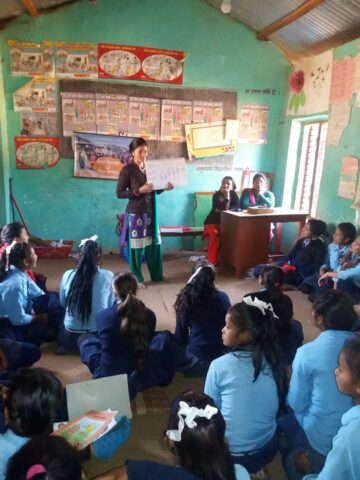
[
  {"x": 132, "y": 315},
  {"x": 79, "y": 298},
  {"x": 17, "y": 253}
]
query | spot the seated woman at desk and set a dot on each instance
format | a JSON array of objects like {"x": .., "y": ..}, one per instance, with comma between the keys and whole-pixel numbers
[
  {"x": 224, "y": 199},
  {"x": 258, "y": 195}
]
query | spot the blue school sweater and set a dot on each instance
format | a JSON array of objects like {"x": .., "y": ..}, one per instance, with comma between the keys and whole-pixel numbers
[
  {"x": 250, "y": 420},
  {"x": 343, "y": 460},
  {"x": 10, "y": 443},
  {"x": 313, "y": 395}
]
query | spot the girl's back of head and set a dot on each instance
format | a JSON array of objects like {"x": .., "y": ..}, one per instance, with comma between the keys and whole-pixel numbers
[
  {"x": 132, "y": 315},
  {"x": 196, "y": 431},
  {"x": 45, "y": 458},
  {"x": 199, "y": 288},
  {"x": 317, "y": 227},
  {"x": 256, "y": 318},
  {"x": 12, "y": 231},
  {"x": 16, "y": 255},
  {"x": 33, "y": 401},
  {"x": 79, "y": 298},
  {"x": 335, "y": 309}
]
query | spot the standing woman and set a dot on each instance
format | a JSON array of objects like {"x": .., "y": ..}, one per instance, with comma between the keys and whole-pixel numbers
[
  {"x": 141, "y": 213},
  {"x": 258, "y": 195}
]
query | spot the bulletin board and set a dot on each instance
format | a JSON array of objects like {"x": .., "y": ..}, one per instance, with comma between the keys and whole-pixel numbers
[{"x": 158, "y": 148}]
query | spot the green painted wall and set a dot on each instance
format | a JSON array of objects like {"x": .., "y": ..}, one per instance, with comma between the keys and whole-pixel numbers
[{"x": 223, "y": 54}]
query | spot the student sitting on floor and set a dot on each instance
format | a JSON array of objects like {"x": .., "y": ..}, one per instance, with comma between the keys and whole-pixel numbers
[
  {"x": 343, "y": 460},
  {"x": 200, "y": 316},
  {"x": 17, "y": 295},
  {"x": 195, "y": 439},
  {"x": 225, "y": 199},
  {"x": 343, "y": 237},
  {"x": 306, "y": 256},
  {"x": 348, "y": 276},
  {"x": 248, "y": 385},
  {"x": 31, "y": 406},
  {"x": 289, "y": 331},
  {"x": 84, "y": 292},
  {"x": 46, "y": 457},
  {"x": 316, "y": 405},
  {"x": 15, "y": 355}
]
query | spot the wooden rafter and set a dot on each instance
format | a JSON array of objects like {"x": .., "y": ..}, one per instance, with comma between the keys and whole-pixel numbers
[
  {"x": 30, "y": 7},
  {"x": 290, "y": 18}
]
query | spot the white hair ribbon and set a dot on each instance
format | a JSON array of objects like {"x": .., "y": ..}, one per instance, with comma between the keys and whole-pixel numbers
[
  {"x": 7, "y": 251},
  {"x": 255, "y": 302},
  {"x": 198, "y": 270},
  {"x": 92, "y": 239},
  {"x": 187, "y": 416}
]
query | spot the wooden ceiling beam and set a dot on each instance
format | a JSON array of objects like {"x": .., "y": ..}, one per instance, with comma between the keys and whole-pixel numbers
[
  {"x": 290, "y": 18},
  {"x": 30, "y": 7}
]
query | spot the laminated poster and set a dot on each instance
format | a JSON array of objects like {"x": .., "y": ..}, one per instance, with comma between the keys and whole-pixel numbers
[
  {"x": 36, "y": 152},
  {"x": 38, "y": 124},
  {"x": 78, "y": 113},
  {"x": 144, "y": 117},
  {"x": 338, "y": 120},
  {"x": 207, "y": 112},
  {"x": 253, "y": 124},
  {"x": 141, "y": 63},
  {"x": 342, "y": 82},
  {"x": 112, "y": 114},
  {"x": 37, "y": 95},
  {"x": 100, "y": 156},
  {"x": 175, "y": 114},
  {"x": 208, "y": 140},
  {"x": 31, "y": 59},
  {"x": 348, "y": 177},
  {"x": 76, "y": 60}
]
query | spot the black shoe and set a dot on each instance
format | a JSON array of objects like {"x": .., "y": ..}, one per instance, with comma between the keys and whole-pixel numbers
[{"x": 305, "y": 288}]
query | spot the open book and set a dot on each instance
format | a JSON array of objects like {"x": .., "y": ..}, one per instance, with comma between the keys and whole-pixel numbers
[{"x": 87, "y": 428}]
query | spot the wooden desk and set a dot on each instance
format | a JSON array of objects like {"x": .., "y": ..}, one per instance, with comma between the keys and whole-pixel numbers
[{"x": 245, "y": 237}]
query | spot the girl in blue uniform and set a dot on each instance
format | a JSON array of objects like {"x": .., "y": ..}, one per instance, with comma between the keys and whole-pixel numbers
[
  {"x": 240, "y": 381},
  {"x": 200, "y": 316},
  {"x": 84, "y": 292},
  {"x": 343, "y": 460},
  {"x": 315, "y": 404}
]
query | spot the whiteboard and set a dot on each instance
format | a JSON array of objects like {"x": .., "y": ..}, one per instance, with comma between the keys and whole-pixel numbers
[{"x": 161, "y": 172}]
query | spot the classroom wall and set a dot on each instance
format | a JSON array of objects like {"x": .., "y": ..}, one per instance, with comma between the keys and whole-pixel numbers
[
  {"x": 223, "y": 54},
  {"x": 331, "y": 208}
]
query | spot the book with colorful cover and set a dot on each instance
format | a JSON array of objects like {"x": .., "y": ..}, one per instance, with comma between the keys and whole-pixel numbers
[{"x": 87, "y": 428}]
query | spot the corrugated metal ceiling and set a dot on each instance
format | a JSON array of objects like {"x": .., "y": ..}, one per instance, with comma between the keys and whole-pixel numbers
[{"x": 328, "y": 25}]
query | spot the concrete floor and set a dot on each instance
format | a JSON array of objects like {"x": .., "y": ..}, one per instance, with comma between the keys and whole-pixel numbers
[{"x": 145, "y": 442}]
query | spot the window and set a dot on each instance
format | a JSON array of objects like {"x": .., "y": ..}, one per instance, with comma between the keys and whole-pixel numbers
[{"x": 310, "y": 167}]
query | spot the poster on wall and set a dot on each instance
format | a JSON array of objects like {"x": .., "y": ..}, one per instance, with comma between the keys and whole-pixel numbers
[
  {"x": 206, "y": 112},
  {"x": 31, "y": 59},
  {"x": 348, "y": 177},
  {"x": 112, "y": 114},
  {"x": 37, "y": 95},
  {"x": 78, "y": 113},
  {"x": 253, "y": 124},
  {"x": 36, "y": 152},
  {"x": 175, "y": 114},
  {"x": 38, "y": 124},
  {"x": 338, "y": 119},
  {"x": 100, "y": 156},
  {"x": 161, "y": 172},
  {"x": 76, "y": 60},
  {"x": 144, "y": 117},
  {"x": 140, "y": 63},
  {"x": 208, "y": 140},
  {"x": 342, "y": 82},
  {"x": 310, "y": 85}
]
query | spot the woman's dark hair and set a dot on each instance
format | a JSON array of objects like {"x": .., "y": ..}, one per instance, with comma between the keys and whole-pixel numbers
[
  {"x": 273, "y": 279},
  {"x": 132, "y": 316},
  {"x": 351, "y": 352},
  {"x": 10, "y": 231},
  {"x": 33, "y": 401},
  {"x": 348, "y": 230},
  {"x": 260, "y": 175},
  {"x": 317, "y": 227},
  {"x": 135, "y": 143},
  {"x": 79, "y": 298},
  {"x": 229, "y": 179},
  {"x": 18, "y": 253},
  {"x": 264, "y": 343},
  {"x": 60, "y": 460},
  {"x": 199, "y": 290},
  {"x": 202, "y": 450},
  {"x": 336, "y": 309}
]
